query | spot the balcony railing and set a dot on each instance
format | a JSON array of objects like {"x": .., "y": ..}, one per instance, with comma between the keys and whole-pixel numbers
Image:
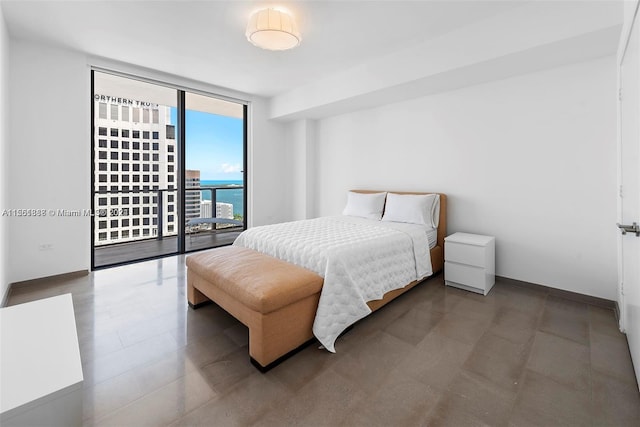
[{"x": 150, "y": 218}]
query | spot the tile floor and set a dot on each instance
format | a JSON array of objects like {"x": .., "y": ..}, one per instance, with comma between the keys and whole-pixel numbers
[{"x": 435, "y": 356}]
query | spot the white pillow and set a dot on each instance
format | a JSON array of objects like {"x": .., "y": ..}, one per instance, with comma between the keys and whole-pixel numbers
[
  {"x": 413, "y": 208},
  {"x": 365, "y": 205},
  {"x": 435, "y": 212}
]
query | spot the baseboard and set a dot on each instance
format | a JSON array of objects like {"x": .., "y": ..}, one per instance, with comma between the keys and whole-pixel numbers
[
  {"x": 47, "y": 279},
  {"x": 574, "y": 296},
  {"x": 41, "y": 281}
]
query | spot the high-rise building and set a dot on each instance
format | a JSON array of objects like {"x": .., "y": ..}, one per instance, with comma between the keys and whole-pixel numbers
[
  {"x": 223, "y": 210},
  {"x": 205, "y": 209},
  {"x": 135, "y": 172},
  {"x": 192, "y": 197}
]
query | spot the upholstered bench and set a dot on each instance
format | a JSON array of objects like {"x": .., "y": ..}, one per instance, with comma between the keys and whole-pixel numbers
[{"x": 276, "y": 300}]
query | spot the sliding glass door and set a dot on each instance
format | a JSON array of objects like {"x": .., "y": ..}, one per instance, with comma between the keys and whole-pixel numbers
[
  {"x": 161, "y": 160},
  {"x": 214, "y": 162}
]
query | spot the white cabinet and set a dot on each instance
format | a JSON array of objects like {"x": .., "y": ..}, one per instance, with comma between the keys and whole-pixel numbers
[
  {"x": 41, "y": 381},
  {"x": 470, "y": 262}
]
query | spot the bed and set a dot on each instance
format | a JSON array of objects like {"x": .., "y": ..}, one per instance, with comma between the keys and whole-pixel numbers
[{"x": 377, "y": 250}]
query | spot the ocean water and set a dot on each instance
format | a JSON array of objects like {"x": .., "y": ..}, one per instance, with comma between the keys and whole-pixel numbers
[{"x": 232, "y": 195}]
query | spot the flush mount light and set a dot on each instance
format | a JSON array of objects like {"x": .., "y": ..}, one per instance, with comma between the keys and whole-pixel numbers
[{"x": 273, "y": 29}]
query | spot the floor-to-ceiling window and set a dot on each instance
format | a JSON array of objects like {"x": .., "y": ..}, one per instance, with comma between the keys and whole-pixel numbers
[
  {"x": 168, "y": 170},
  {"x": 214, "y": 169}
]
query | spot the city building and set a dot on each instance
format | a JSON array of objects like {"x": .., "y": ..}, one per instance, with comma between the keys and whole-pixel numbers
[
  {"x": 135, "y": 179},
  {"x": 192, "y": 197},
  {"x": 223, "y": 210},
  {"x": 205, "y": 209}
]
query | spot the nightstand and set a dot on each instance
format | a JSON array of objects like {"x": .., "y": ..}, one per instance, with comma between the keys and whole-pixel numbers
[{"x": 469, "y": 262}]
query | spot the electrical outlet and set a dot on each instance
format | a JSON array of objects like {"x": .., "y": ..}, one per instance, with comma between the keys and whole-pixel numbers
[{"x": 45, "y": 246}]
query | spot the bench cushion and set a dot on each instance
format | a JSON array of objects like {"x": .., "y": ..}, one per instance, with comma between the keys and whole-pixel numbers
[{"x": 259, "y": 281}]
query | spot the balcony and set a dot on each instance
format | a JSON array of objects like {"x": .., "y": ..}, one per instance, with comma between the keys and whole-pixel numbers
[{"x": 143, "y": 224}]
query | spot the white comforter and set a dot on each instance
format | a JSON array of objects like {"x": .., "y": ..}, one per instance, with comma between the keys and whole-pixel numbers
[{"x": 360, "y": 260}]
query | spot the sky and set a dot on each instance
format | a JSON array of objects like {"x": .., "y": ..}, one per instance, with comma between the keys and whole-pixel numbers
[{"x": 213, "y": 145}]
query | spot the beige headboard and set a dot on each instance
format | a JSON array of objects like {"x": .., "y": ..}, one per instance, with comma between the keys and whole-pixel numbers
[{"x": 442, "y": 226}]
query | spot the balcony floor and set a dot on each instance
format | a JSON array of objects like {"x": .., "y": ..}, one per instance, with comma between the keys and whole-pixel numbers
[{"x": 121, "y": 253}]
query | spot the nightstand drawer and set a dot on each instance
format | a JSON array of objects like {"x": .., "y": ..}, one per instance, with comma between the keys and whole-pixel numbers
[
  {"x": 465, "y": 254},
  {"x": 465, "y": 274}
]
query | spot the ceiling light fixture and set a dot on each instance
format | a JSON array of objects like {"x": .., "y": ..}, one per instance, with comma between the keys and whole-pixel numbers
[{"x": 273, "y": 29}]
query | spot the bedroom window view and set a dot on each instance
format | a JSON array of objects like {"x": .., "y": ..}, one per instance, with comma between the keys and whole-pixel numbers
[
  {"x": 214, "y": 162},
  {"x": 135, "y": 169},
  {"x": 138, "y": 175}
]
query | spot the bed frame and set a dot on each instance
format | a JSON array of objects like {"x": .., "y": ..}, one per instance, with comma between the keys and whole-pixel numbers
[
  {"x": 437, "y": 252},
  {"x": 260, "y": 291}
]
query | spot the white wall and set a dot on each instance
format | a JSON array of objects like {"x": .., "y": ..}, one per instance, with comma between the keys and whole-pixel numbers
[
  {"x": 49, "y": 168},
  {"x": 50, "y": 158},
  {"x": 529, "y": 159},
  {"x": 300, "y": 137},
  {"x": 268, "y": 168},
  {"x": 4, "y": 143}
]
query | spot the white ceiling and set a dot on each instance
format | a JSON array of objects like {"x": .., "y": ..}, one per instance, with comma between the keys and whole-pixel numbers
[{"x": 204, "y": 40}]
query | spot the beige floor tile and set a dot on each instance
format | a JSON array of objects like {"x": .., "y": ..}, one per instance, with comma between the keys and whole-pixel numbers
[
  {"x": 499, "y": 361},
  {"x": 544, "y": 402},
  {"x": 111, "y": 395},
  {"x": 414, "y": 325},
  {"x": 164, "y": 405},
  {"x": 458, "y": 327},
  {"x": 327, "y": 400},
  {"x": 369, "y": 364},
  {"x": 514, "y": 325},
  {"x": 566, "y": 319},
  {"x": 206, "y": 350},
  {"x": 562, "y": 360},
  {"x": 523, "y": 299},
  {"x": 610, "y": 355},
  {"x": 303, "y": 367},
  {"x": 435, "y": 361},
  {"x": 244, "y": 404},
  {"x": 399, "y": 401},
  {"x": 603, "y": 321},
  {"x": 481, "y": 399},
  {"x": 476, "y": 306},
  {"x": 223, "y": 373},
  {"x": 615, "y": 402},
  {"x": 435, "y": 356}
]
